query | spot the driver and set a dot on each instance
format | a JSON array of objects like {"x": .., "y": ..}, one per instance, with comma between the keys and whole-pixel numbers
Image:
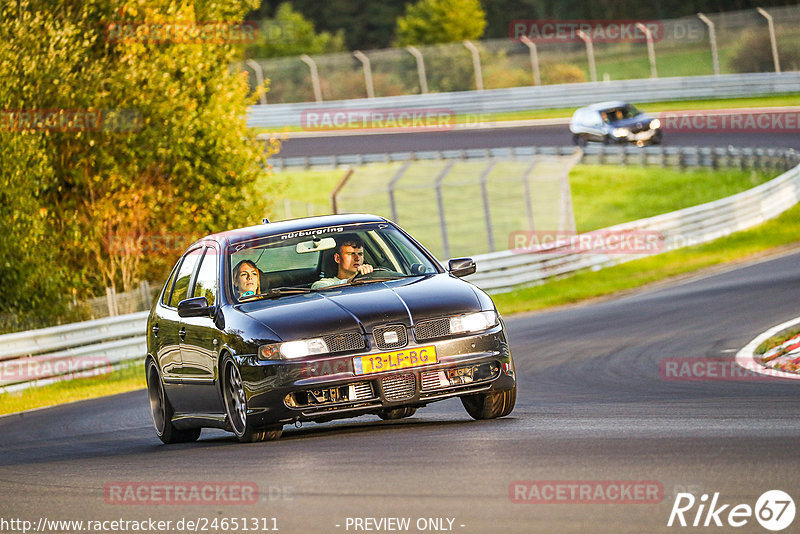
[
  {"x": 350, "y": 258},
  {"x": 246, "y": 279}
]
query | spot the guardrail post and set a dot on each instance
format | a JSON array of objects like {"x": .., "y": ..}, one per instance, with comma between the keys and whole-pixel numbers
[
  {"x": 712, "y": 36},
  {"x": 392, "y": 184},
  {"x": 590, "y": 54},
  {"x": 112, "y": 301},
  {"x": 440, "y": 203},
  {"x": 362, "y": 57},
  {"x": 259, "y": 79},
  {"x": 526, "y": 189},
  {"x": 476, "y": 64},
  {"x": 423, "y": 79},
  {"x": 486, "y": 213},
  {"x": 144, "y": 292},
  {"x": 537, "y": 80},
  {"x": 772, "y": 41},
  {"x": 338, "y": 188},
  {"x": 312, "y": 66},
  {"x": 651, "y": 51}
]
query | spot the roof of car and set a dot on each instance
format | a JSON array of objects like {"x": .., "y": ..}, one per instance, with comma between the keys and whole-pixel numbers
[
  {"x": 607, "y": 105},
  {"x": 292, "y": 225}
]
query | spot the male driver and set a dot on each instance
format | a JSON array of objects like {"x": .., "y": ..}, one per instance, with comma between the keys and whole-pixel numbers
[
  {"x": 246, "y": 279},
  {"x": 350, "y": 258}
]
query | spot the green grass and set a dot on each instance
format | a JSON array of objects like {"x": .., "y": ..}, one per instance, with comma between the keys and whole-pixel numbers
[
  {"x": 777, "y": 339},
  {"x": 126, "y": 378},
  {"x": 604, "y": 195},
  {"x": 779, "y": 232},
  {"x": 650, "y": 107}
]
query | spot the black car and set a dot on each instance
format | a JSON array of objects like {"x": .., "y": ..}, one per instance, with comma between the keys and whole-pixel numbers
[
  {"x": 386, "y": 342},
  {"x": 613, "y": 123}
]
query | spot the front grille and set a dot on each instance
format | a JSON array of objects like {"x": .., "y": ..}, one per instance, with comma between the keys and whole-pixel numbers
[
  {"x": 434, "y": 380},
  {"x": 361, "y": 391},
  {"x": 392, "y": 336},
  {"x": 345, "y": 342},
  {"x": 399, "y": 387},
  {"x": 432, "y": 329}
]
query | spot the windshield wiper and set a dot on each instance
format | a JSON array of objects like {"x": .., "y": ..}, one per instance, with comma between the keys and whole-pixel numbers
[
  {"x": 360, "y": 281},
  {"x": 278, "y": 292}
]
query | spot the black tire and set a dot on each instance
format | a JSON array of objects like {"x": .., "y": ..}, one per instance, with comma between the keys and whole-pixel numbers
[
  {"x": 490, "y": 405},
  {"x": 579, "y": 140},
  {"x": 397, "y": 413},
  {"x": 162, "y": 412},
  {"x": 236, "y": 409},
  {"x": 657, "y": 138}
]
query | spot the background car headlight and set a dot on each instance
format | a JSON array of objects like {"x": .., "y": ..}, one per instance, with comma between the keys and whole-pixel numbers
[
  {"x": 293, "y": 349},
  {"x": 655, "y": 124},
  {"x": 620, "y": 132},
  {"x": 473, "y": 322}
]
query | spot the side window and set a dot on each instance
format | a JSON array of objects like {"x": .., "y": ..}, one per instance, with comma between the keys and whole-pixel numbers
[
  {"x": 168, "y": 286},
  {"x": 206, "y": 283},
  {"x": 181, "y": 288}
]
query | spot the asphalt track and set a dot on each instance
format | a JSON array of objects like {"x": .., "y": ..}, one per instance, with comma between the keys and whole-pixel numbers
[
  {"x": 593, "y": 405},
  {"x": 557, "y": 135}
]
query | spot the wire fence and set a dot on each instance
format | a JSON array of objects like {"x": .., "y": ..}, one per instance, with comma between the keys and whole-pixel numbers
[{"x": 739, "y": 41}]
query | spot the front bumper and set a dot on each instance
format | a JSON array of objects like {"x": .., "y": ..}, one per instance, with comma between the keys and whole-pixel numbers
[{"x": 321, "y": 389}]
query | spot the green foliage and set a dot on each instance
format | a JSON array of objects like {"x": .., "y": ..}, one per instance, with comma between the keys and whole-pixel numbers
[
  {"x": 185, "y": 166},
  {"x": 441, "y": 21},
  {"x": 755, "y": 53},
  {"x": 288, "y": 33}
]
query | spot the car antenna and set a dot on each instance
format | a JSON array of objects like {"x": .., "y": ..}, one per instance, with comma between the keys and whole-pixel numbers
[{"x": 264, "y": 221}]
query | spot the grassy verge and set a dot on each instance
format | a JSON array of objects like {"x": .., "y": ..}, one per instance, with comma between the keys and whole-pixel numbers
[
  {"x": 777, "y": 339},
  {"x": 781, "y": 231},
  {"x": 651, "y": 107},
  {"x": 127, "y": 378}
]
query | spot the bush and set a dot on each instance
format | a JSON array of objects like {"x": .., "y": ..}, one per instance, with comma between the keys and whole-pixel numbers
[
  {"x": 562, "y": 73},
  {"x": 755, "y": 53}
]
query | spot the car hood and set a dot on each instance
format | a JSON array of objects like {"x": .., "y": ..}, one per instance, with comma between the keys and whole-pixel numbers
[{"x": 353, "y": 308}]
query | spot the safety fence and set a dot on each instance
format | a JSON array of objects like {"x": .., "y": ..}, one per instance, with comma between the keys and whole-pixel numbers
[
  {"x": 476, "y": 103},
  {"x": 755, "y": 40}
]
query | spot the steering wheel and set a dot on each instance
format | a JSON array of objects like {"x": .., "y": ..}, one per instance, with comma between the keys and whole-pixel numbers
[{"x": 374, "y": 270}]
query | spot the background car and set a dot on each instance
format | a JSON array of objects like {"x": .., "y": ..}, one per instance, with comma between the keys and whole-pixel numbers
[
  {"x": 384, "y": 343},
  {"x": 614, "y": 122}
]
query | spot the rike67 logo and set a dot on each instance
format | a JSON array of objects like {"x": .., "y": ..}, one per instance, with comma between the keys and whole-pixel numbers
[{"x": 774, "y": 510}]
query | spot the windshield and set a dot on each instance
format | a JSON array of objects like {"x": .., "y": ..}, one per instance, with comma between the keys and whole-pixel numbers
[
  {"x": 620, "y": 113},
  {"x": 319, "y": 258}
]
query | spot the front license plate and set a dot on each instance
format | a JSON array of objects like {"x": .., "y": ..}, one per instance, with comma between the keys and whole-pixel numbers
[
  {"x": 643, "y": 136},
  {"x": 391, "y": 361}
]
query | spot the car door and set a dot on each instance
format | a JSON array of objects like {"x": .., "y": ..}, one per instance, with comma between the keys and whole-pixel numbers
[
  {"x": 169, "y": 330},
  {"x": 200, "y": 340}
]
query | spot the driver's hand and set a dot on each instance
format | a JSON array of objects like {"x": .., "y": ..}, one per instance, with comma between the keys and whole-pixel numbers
[{"x": 365, "y": 269}]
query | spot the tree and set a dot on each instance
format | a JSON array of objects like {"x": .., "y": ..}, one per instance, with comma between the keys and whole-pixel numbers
[
  {"x": 441, "y": 21},
  {"x": 148, "y": 139},
  {"x": 291, "y": 34}
]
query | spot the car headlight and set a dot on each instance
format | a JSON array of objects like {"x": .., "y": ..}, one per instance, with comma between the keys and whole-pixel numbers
[
  {"x": 620, "y": 132},
  {"x": 655, "y": 124},
  {"x": 293, "y": 349},
  {"x": 473, "y": 322}
]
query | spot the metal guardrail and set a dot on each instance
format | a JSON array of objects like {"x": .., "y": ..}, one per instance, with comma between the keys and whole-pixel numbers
[
  {"x": 38, "y": 357},
  {"x": 544, "y": 96},
  {"x": 503, "y": 271},
  {"x": 660, "y": 155}
]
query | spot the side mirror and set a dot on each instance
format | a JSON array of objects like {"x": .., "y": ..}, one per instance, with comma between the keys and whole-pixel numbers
[
  {"x": 194, "y": 307},
  {"x": 461, "y": 267}
]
